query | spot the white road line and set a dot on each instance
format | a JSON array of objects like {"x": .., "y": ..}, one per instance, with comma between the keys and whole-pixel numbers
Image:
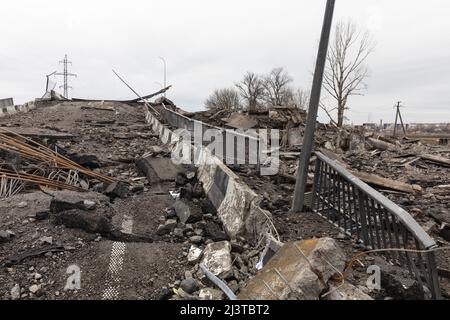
[{"x": 116, "y": 262}]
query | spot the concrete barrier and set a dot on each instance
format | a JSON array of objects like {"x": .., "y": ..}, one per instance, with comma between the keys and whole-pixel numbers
[
  {"x": 26, "y": 107},
  {"x": 237, "y": 205}
]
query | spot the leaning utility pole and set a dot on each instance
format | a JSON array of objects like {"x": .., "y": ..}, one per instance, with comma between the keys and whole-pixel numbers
[
  {"x": 66, "y": 74},
  {"x": 308, "y": 140},
  {"x": 397, "y": 116}
]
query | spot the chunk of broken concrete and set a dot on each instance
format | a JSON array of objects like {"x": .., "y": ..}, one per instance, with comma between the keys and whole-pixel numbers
[
  {"x": 91, "y": 222},
  {"x": 89, "y": 204},
  {"x": 46, "y": 240},
  {"x": 299, "y": 270},
  {"x": 211, "y": 294},
  {"x": 117, "y": 189},
  {"x": 35, "y": 289},
  {"x": 182, "y": 210},
  {"x": 15, "y": 292},
  {"x": 166, "y": 228},
  {"x": 22, "y": 205},
  {"x": 196, "y": 239},
  {"x": 194, "y": 254},
  {"x": 6, "y": 236},
  {"x": 346, "y": 291},
  {"x": 217, "y": 258}
]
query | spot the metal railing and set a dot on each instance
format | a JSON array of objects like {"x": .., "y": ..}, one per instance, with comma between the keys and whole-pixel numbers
[{"x": 369, "y": 217}]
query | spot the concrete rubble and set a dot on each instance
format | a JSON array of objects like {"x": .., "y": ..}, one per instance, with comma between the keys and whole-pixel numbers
[
  {"x": 217, "y": 258},
  {"x": 131, "y": 193},
  {"x": 299, "y": 270}
]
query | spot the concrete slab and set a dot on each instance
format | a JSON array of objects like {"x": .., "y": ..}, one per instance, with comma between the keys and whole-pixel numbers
[{"x": 161, "y": 168}]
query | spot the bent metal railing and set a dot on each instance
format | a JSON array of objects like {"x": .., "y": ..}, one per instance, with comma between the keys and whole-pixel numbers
[{"x": 365, "y": 214}]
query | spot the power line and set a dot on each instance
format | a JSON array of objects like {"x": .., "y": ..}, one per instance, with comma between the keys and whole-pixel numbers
[{"x": 66, "y": 75}]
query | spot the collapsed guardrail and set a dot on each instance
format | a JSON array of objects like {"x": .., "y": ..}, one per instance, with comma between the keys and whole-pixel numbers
[
  {"x": 229, "y": 138},
  {"x": 367, "y": 215},
  {"x": 237, "y": 205},
  {"x": 356, "y": 209}
]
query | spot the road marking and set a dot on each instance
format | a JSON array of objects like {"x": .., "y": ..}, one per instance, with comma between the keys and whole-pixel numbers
[{"x": 116, "y": 262}]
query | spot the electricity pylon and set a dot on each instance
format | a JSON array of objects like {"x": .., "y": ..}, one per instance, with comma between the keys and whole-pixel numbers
[{"x": 66, "y": 75}]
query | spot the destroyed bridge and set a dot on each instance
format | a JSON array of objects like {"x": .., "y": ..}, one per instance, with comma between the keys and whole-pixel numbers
[{"x": 94, "y": 205}]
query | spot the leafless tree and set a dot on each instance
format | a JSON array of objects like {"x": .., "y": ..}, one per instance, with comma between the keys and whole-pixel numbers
[
  {"x": 224, "y": 99},
  {"x": 346, "y": 69},
  {"x": 301, "y": 99},
  {"x": 252, "y": 90},
  {"x": 277, "y": 90}
]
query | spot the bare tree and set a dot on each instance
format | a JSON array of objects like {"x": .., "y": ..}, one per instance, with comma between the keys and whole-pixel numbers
[
  {"x": 223, "y": 99},
  {"x": 346, "y": 70},
  {"x": 301, "y": 99},
  {"x": 252, "y": 90},
  {"x": 277, "y": 90}
]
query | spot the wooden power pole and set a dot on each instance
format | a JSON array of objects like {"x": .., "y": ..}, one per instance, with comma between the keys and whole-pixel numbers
[{"x": 398, "y": 116}]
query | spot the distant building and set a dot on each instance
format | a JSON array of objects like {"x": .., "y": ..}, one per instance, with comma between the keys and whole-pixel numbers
[
  {"x": 8, "y": 102},
  {"x": 370, "y": 126}
]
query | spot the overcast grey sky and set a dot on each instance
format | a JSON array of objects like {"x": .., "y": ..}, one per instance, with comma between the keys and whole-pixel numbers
[{"x": 211, "y": 44}]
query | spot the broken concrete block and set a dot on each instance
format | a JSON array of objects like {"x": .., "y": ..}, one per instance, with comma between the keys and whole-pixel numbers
[
  {"x": 6, "y": 236},
  {"x": 272, "y": 247},
  {"x": 194, "y": 254},
  {"x": 162, "y": 169},
  {"x": 182, "y": 210},
  {"x": 347, "y": 291},
  {"x": 15, "y": 292},
  {"x": 117, "y": 189},
  {"x": 88, "y": 221},
  {"x": 196, "y": 239},
  {"x": 46, "y": 240},
  {"x": 211, "y": 294},
  {"x": 35, "y": 289},
  {"x": 89, "y": 204},
  {"x": 167, "y": 228},
  {"x": 217, "y": 258},
  {"x": 22, "y": 205},
  {"x": 299, "y": 270}
]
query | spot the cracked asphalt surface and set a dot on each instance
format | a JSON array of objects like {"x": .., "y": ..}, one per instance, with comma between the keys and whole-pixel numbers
[{"x": 117, "y": 138}]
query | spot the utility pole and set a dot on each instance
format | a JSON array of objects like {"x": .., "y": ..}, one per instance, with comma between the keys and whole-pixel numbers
[
  {"x": 308, "y": 140},
  {"x": 66, "y": 75},
  {"x": 165, "y": 73},
  {"x": 48, "y": 76},
  {"x": 398, "y": 115}
]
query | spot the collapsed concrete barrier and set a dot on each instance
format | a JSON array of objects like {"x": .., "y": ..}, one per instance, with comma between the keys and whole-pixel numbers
[
  {"x": 26, "y": 107},
  {"x": 299, "y": 270},
  {"x": 237, "y": 205}
]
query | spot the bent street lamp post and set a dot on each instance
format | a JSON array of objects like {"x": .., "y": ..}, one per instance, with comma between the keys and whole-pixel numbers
[
  {"x": 165, "y": 73},
  {"x": 48, "y": 76},
  {"x": 308, "y": 141}
]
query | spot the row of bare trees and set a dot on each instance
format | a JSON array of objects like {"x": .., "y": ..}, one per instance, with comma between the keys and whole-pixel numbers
[
  {"x": 255, "y": 91},
  {"x": 344, "y": 77}
]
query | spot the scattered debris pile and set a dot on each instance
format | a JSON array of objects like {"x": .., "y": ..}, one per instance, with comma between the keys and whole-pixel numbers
[{"x": 25, "y": 162}]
